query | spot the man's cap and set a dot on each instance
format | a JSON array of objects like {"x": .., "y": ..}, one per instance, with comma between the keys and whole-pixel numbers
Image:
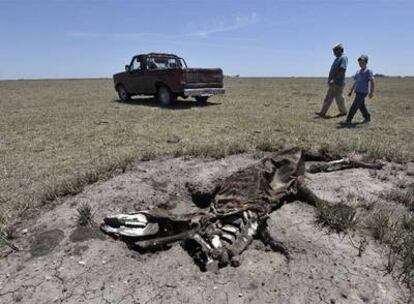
[
  {"x": 363, "y": 58},
  {"x": 338, "y": 46}
]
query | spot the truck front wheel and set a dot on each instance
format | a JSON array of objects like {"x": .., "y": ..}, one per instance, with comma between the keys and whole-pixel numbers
[
  {"x": 123, "y": 93},
  {"x": 165, "y": 96}
]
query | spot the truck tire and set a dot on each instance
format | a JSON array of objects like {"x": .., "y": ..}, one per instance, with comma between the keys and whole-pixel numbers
[
  {"x": 123, "y": 93},
  {"x": 165, "y": 96},
  {"x": 201, "y": 99}
]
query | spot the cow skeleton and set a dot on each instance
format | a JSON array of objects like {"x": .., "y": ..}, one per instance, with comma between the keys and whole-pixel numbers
[{"x": 237, "y": 214}]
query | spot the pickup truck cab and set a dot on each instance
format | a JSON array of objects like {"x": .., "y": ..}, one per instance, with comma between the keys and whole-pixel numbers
[{"x": 166, "y": 76}]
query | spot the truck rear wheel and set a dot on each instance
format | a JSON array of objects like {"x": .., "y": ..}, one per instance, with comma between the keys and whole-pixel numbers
[
  {"x": 165, "y": 96},
  {"x": 201, "y": 99},
  {"x": 123, "y": 93}
]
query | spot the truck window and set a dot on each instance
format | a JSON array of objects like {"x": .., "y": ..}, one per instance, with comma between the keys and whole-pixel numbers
[
  {"x": 151, "y": 64},
  {"x": 182, "y": 63},
  {"x": 173, "y": 63},
  {"x": 136, "y": 64},
  {"x": 163, "y": 63}
]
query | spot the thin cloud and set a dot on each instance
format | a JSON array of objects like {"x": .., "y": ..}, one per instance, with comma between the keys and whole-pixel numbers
[
  {"x": 214, "y": 27},
  {"x": 193, "y": 38},
  {"x": 221, "y": 26}
]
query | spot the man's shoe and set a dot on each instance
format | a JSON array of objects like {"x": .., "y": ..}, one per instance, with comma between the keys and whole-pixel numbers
[
  {"x": 321, "y": 115},
  {"x": 366, "y": 121},
  {"x": 345, "y": 123}
]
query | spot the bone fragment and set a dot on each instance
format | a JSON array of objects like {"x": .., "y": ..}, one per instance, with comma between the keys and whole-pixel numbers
[
  {"x": 212, "y": 266},
  {"x": 216, "y": 241},
  {"x": 342, "y": 164},
  {"x": 204, "y": 245},
  {"x": 230, "y": 229},
  {"x": 150, "y": 229},
  {"x": 228, "y": 237},
  {"x": 162, "y": 241},
  {"x": 136, "y": 219}
]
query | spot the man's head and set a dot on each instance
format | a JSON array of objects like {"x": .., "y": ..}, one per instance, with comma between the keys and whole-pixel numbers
[
  {"x": 363, "y": 61},
  {"x": 338, "y": 49}
]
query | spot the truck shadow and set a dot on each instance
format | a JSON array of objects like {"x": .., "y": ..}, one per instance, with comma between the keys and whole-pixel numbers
[{"x": 180, "y": 104}]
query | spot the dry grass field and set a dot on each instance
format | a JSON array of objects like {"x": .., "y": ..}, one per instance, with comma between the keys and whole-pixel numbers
[{"x": 58, "y": 135}]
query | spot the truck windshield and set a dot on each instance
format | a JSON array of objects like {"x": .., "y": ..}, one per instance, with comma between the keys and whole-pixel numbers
[
  {"x": 164, "y": 62},
  {"x": 183, "y": 63}
]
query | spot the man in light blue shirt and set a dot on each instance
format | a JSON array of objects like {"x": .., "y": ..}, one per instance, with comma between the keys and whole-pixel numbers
[
  {"x": 363, "y": 85},
  {"x": 336, "y": 83}
]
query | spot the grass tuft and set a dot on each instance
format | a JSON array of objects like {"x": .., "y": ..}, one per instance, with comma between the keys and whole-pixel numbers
[
  {"x": 267, "y": 146},
  {"x": 148, "y": 155},
  {"x": 210, "y": 151},
  {"x": 406, "y": 250},
  {"x": 381, "y": 225},
  {"x": 85, "y": 214},
  {"x": 404, "y": 197},
  {"x": 338, "y": 218},
  {"x": 236, "y": 148},
  {"x": 398, "y": 235}
]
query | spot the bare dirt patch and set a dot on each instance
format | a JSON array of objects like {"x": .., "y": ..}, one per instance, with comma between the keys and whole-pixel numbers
[
  {"x": 80, "y": 265},
  {"x": 44, "y": 242}
]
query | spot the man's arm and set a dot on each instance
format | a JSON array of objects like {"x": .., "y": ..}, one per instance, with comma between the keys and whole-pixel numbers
[
  {"x": 339, "y": 75},
  {"x": 352, "y": 89},
  {"x": 371, "y": 88}
]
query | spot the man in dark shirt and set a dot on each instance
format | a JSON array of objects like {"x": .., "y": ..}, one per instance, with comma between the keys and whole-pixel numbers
[{"x": 336, "y": 83}]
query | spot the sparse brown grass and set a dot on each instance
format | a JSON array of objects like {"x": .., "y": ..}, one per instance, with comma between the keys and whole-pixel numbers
[
  {"x": 403, "y": 196},
  {"x": 58, "y": 135},
  {"x": 339, "y": 218},
  {"x": 382, "y": 226},
  {"x": 397, "y": 233}
]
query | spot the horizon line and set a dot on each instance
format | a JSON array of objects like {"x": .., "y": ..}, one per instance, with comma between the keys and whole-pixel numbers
[{"x": 225, "y": 76}]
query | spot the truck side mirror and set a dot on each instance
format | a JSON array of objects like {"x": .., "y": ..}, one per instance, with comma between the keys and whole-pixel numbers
[{"x": 127, "y": 68}]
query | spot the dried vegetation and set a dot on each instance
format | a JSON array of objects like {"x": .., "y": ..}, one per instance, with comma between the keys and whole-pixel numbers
[
  {"x": 60, "y": 135},
  {"x": 397, "y": 234},
  {"x": 339, "y": 218}
]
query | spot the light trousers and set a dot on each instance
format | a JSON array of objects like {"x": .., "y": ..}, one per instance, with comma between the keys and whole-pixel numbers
[{"x": 337, "y": 92}]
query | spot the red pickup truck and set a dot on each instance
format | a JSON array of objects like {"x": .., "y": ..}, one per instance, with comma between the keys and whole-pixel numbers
[{"x": 166, "y": 76}]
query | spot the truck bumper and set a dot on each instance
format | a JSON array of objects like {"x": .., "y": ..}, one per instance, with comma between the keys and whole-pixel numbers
[{"x": 203, "y": 92}]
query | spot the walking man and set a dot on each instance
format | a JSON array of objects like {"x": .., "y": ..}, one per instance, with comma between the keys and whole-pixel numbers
[
  {"x": 336, "y": 83},
  {"x": 364, "y": 85}
]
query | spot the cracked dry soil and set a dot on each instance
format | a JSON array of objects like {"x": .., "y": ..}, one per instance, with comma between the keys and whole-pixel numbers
[{"x": 61, "y": 262}]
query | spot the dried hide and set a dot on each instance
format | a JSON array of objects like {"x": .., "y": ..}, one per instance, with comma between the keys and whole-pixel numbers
[
  {"x": 237, "y": 214},
  {"x": 262, "y": 186}
]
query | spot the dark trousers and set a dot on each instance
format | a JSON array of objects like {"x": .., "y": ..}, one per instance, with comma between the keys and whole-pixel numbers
[{"x": 358, "y": 104}]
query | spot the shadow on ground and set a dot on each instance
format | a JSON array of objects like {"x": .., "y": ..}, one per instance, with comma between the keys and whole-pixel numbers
[
  {"x": 179, "y": 104},
  {"x": 318, "y": 116},
  {"x": 351, "y": 125}
]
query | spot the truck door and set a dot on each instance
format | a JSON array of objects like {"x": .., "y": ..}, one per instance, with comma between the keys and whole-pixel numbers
[
  {"x": 161, "y": 69},
  {"x": 152, "y": 74},
  {"x": 134, "y": 82}
]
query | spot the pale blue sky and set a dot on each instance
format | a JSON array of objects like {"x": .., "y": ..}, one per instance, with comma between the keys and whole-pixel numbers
[{"x": 86, "y": 38}]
